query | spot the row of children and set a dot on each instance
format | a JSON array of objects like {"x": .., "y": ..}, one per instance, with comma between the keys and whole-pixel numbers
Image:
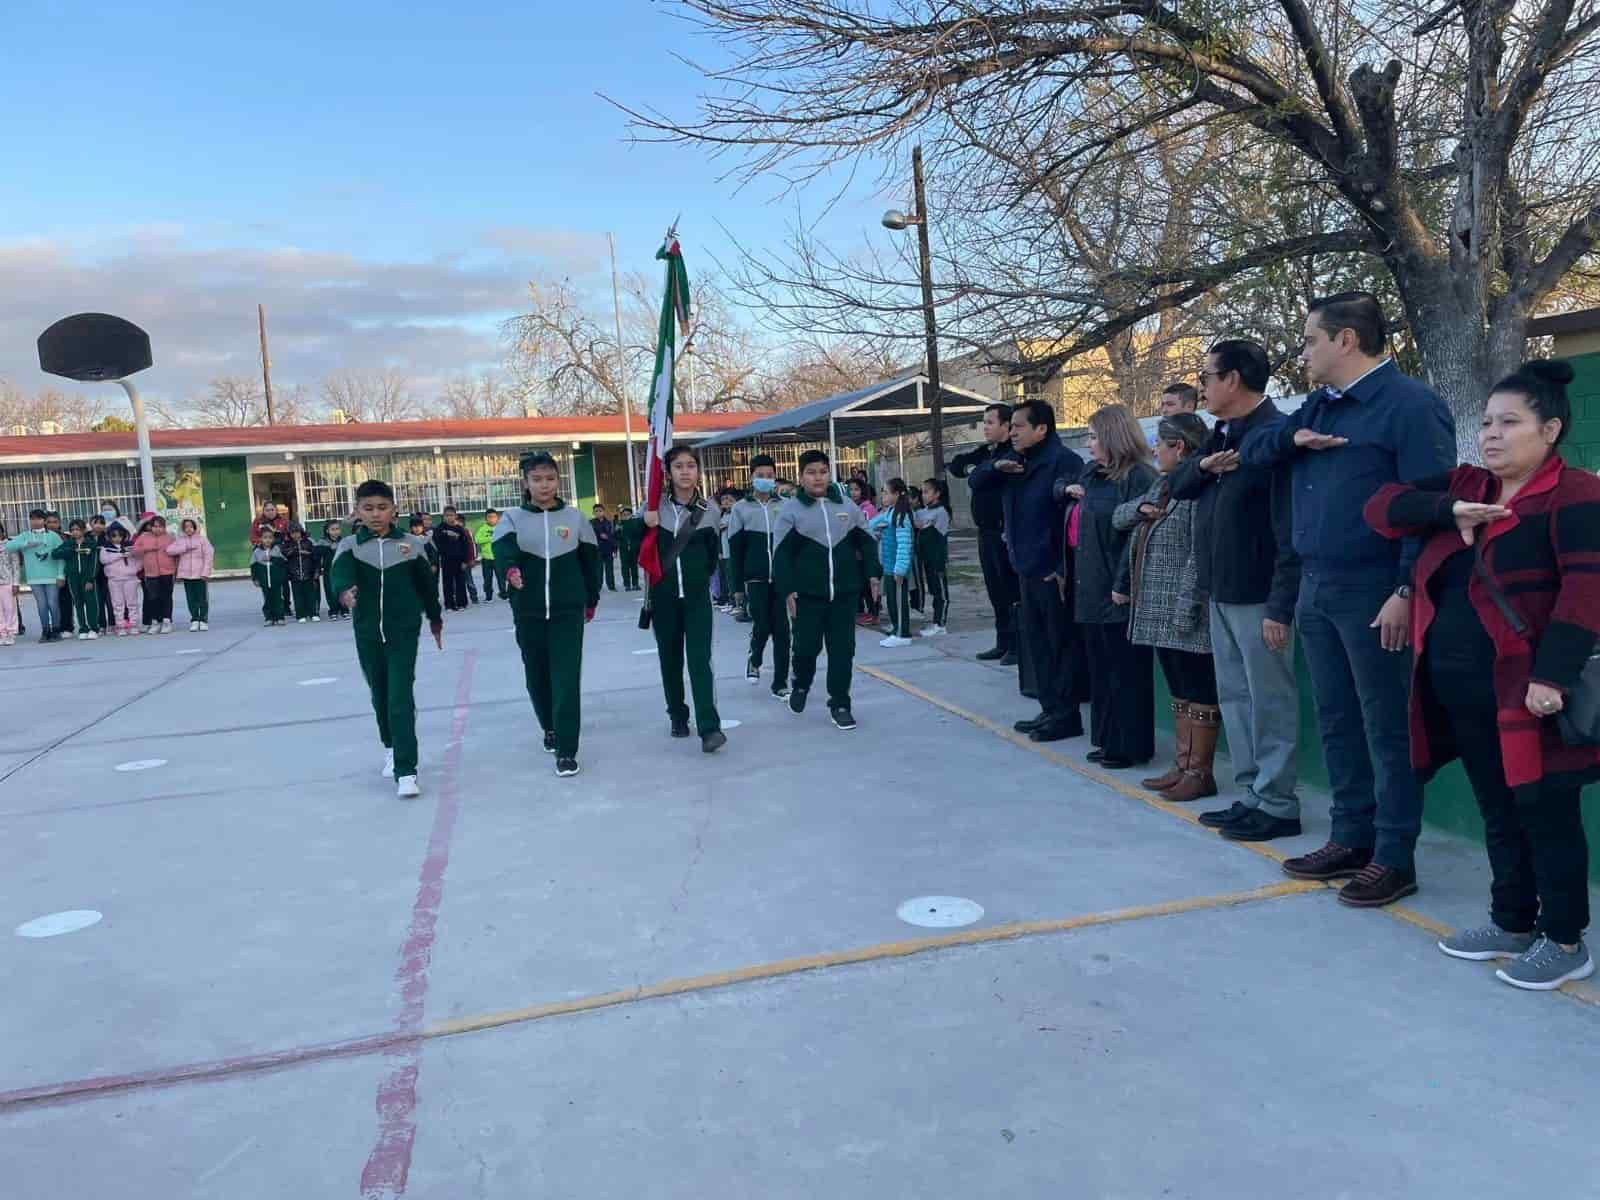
[{"x": 102, "y": 573}]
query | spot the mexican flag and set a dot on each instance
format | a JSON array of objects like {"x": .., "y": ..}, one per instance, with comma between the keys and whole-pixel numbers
[{"x": 674, "y": 312}]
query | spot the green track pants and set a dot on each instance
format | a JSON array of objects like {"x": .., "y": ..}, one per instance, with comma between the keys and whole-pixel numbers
[
  {"x": 683, "y": 632},
  {"x": 768, "y": 619},
  {"x": 391, "y": 670},
  {"x": 552, "y": 664},
  {"x": 830, "y": 623}
]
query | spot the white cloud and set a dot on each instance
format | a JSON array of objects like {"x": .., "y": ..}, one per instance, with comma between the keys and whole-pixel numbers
[{"x": 325, "y": 311}]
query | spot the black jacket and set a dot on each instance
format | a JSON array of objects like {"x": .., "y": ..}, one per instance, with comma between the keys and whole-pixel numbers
[
  {"x": 454, "y": 543},
  {"x": 1033, "y": 504},
  {"x": 988, "y": 510},
  {"x": 300, "y": 559},
  {"x": 1244, "y": 523},
  {"x": 1098, "y": 558}
]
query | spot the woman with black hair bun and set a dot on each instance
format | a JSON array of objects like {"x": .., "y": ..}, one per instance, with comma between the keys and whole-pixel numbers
[
  {"x": 688, "y": 545},
  {"x": 1506, "y": 615}
]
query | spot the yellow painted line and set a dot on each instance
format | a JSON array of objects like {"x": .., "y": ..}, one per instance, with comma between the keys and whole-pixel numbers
[
  {"x": 842, "y": 958},
  {"x": 1583, "y": 993}
]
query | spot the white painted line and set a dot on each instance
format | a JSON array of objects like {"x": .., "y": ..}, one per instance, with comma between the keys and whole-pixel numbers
[
  {"x": 59, "y": 923},
  {"x": 191, "y": 651},
  {"x": 732, "y": 724},
  {"x": 939, "y": 912},
  {"x": 319, "y": 681},
  {"x": 650, "y": 650},
  {"x": 142, "y": 764}
]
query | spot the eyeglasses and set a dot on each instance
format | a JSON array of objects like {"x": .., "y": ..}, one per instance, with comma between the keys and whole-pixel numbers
[{"x": 1206, "y": 376}]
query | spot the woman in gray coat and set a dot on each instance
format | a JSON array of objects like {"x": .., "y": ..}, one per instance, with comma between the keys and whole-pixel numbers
[{"x": 1160, "y": 582}]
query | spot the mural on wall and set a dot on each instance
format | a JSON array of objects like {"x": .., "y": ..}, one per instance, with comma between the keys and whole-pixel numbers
[{"x": 178, "y": 492}]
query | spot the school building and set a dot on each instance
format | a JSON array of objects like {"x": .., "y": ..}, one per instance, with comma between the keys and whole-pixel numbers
[{"x": 222, "y": 477}]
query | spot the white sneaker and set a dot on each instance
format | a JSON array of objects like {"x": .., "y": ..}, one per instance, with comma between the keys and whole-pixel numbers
[
  {"x": 92, "y": 636},
  {"x": 166, "y": 626},
  {"x": 83, "y": 635},
  {"x": 388, "y": 764},
  {"x": 891, "y": 640},
  {"x": 299, "y": 620},
  {"x": 194, "y": 626},
  {"x": 406, "y": 787},
  {"x": 316, "y": 620},
  {"x": 204, "y": 625},
  {"x": 933, "y": 631}
]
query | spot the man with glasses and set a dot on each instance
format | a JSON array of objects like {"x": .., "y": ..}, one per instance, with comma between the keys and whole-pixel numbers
[
  {"x": 1365, "y": 425},
  {"x": 1246, "y": 564}
]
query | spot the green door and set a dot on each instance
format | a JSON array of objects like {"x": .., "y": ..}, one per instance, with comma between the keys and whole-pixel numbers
[{"x": 226, "y": 489}]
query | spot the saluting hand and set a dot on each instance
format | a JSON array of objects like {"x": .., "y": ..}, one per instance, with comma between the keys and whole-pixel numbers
[
  {"x": 1221, "y": 462},
  {"x": 1470, "y": 516},
  {"x": 1310, "y": 439}
]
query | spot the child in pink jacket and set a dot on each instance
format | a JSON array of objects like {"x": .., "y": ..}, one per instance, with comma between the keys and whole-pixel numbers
[
  {"x": 160, "y": 572},
  {"x": 193, "y": 552},
  {"x": 122, "y": 579}
]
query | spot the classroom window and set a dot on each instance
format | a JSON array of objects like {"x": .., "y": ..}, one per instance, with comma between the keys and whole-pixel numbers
[{"x": 70, "y": 491}]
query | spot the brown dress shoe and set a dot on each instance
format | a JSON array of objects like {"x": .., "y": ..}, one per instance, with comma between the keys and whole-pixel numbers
[
  {"x": 1376, "y": 886},
  {"x": 1333, "y": 861},
  {"x": 1181, "y": 727}
]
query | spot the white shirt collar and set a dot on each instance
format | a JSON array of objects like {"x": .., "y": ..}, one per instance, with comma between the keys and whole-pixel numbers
[{"x": 1346, "y": 388}]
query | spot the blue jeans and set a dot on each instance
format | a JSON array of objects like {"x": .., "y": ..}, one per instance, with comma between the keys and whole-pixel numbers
[
  {"x": 1362, "y": 692},
  {"x": 48, "y": 597}
]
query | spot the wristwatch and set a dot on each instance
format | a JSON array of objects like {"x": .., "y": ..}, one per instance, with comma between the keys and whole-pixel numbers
[{"x": 1403, "y": 591}]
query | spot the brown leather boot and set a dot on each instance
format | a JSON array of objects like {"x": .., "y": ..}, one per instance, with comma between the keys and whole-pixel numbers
[
  {"x": 1205, "y": 723},
  {"x": 1180, "y": 736}
]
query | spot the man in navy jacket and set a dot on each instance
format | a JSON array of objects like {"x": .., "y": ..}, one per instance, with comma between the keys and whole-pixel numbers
[
  {"x": 1034, "y": 475},
  {"x": 1366, "y": 425}
]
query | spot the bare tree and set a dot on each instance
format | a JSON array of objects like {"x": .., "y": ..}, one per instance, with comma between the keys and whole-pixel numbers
[
  {"x": 468, "y": 399},
  {"x": 1456, "y": 146},
  {"x": 371, "y": 396},
  {"x": 48, "y": 410}
]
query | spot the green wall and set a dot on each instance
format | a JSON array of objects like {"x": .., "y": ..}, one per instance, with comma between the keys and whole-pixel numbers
[
  {"x": 1582, "y": 446},
  {"x": 583, "y": 476},
  {"x": 226, "y": 492}
]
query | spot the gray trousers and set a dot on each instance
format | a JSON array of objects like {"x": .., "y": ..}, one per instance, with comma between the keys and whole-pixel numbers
[{"x": 1260, "y": 708}]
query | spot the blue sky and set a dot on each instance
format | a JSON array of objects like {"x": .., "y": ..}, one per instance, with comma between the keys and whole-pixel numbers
[{"x": 178, "y": 160}]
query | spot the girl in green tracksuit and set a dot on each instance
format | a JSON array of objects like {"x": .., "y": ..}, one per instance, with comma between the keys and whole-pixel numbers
[
  {"x": 81, "y": 556},
  {"x": 550, "y": 563},
  {"x": 688, "y": 545},
  {"x": 269, "y": 571}
]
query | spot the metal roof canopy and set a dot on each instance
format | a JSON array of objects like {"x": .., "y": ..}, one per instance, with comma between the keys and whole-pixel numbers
[{"x": 889, "y": 408}]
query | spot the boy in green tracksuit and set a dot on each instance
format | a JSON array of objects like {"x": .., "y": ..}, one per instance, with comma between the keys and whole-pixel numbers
[
  {"x": 824, "y": 558},
  {"x": 551, "y": 561},
  {"x": 382, "y": 576},
  {"x": 630, "y": 536},
  {"x": 270, "y": 572},
  {"x": 81, "y": 555},
  {"x": 483, "y": 538},
  {"x": 752, "y": 533},
  {"x": 327, "y": 547}
]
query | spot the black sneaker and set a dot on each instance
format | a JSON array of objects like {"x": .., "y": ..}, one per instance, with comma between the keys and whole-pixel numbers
[
  {"x": 797, "y": 700},
  {"x": 549, "y": 742},
  {"x": 566, "y": 766},
  {"x": 842, "y": 718},
  {"x": 713, "y": 741},
  {"x": 680, "y": 728},
  {"x": 1257, "y": 826},
  {"x": 780, "y": 691},
  {"x": 1218, "y": 818},
  {"x": 752, "y": 670},
  {"x": 992, "y": 654}
]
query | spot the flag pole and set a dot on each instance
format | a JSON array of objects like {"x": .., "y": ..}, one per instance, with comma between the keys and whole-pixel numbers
[{"x": 622, "y": 392}]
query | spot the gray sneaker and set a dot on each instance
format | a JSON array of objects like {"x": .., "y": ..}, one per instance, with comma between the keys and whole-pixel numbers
[
  {"x": 1546, "y": 966},
  {"x": 1486, "y": 942}
]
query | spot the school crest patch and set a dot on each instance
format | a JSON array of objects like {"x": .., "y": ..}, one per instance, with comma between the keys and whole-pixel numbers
[
  {"x": 844, "y": 517},
  {"x": 405, "y": 549},
  {"x": 564, "y": 532}
]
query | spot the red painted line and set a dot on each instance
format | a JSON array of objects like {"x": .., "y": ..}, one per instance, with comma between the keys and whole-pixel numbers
[
  {"x": 219, "y": 1068},
  {"x": 390, "y": 1161}
]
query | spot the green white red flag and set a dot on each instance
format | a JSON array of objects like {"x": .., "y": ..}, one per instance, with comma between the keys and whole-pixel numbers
[{"x": 674, "y": 312}]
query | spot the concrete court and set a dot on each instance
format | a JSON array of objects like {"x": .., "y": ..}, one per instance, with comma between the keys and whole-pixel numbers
[{"x": 264, "y": 893}]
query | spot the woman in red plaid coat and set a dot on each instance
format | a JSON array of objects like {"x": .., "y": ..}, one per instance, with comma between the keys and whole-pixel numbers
[{"x": 1488, "y": 692}]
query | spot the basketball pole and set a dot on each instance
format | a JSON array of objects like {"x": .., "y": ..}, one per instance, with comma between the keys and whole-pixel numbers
[{"x": 141, "y": 427}]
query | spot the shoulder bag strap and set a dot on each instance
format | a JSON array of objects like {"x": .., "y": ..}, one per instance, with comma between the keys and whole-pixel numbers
[{"x": 1481, "y": 570}]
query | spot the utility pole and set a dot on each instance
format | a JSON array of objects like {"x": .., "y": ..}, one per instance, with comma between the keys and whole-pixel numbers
[
  {"x": 622, "y": 393},
  {"x": 936, "y": 405},
  {"x": 266, "y": 361}
]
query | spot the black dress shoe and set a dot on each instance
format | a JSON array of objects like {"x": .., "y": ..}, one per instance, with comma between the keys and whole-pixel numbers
[
  {"x": 1257, "y": 826},
  {"x": 1218, "y": 818},
  {"x": 1056, "y": 731},
  {"x": 713, "y": 741},
  {"x": 1114, "y": 762},
  {"x": 1010, "y": 659},
  {"x": 680, "y": 728},
  {"x": 1029, "y": 725},
  {"x": 991, "y": 655},
  {"x": 1095, "y": 755}
]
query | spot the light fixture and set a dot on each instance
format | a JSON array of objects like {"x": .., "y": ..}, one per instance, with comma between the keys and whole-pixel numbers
[
  {"x": 577, "y": 445},
  {"x": 895, "y": 219},
  {"x": 288, "y": 456},
  {"x": 438, "y": 450}
]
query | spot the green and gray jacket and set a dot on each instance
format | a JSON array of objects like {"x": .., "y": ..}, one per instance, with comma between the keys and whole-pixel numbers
[
  {"x": 394, "y": 582},
  {"x": 689, "y": 544},
  {"x": 268, "y": 568},
  {"x": 558, "y": 555},
  {"x": 752, "y": 534},
  {"x": 630, "y": 536},
  {"x": 82, "y": 561},
  {"x": 823, "y": 548}
]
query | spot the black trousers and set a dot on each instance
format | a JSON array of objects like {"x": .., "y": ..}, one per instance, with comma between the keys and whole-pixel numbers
[
  {"x": 1190, "y": 675},
  {"x": 1000, "y": 581},
  {"x": 608, "y": 563},
  {"x": 455, "y": 583},
  {"x": 157, "y": 599},
  {"x": 1538, "y": 855},
  {"x": 486, "y": 569},
  {"x": 1122, "y": 698},
  {"x": 938, "y": 592},
  {"x": 1050, "y": 632}
]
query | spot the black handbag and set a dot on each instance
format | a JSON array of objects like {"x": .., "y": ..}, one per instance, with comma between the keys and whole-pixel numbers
[{"x": 1579, "y": 718}]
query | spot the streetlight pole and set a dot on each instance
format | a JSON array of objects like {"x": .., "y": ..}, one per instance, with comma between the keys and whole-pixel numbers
[
  {"x": 899, "y": 220},
  {"x": 627, "y": 406}
]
